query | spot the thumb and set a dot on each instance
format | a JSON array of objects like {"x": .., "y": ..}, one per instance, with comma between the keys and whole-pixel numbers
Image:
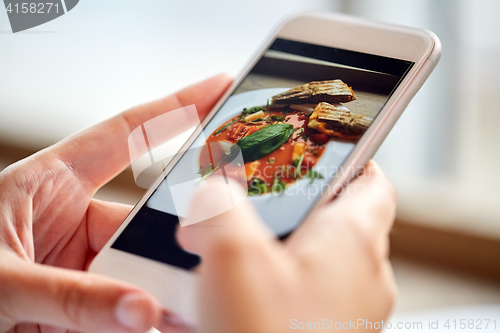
[
  {"x": 73, "y": 300},
  {"x": 236, "y": 248},
  {"x": 216, "y": 221}
]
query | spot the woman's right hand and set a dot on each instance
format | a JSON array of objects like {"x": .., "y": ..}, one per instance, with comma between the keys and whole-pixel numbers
[{"x": 334, "y": 269}]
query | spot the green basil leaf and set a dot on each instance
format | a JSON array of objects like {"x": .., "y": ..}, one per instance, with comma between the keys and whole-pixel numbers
[{"x": 264, "y": 141}]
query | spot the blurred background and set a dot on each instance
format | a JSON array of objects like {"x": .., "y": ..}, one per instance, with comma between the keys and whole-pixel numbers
[{"x": 106, "y": 56}]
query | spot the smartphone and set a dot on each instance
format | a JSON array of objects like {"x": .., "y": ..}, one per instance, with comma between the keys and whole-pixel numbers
[{"x": 306, "y": 114}]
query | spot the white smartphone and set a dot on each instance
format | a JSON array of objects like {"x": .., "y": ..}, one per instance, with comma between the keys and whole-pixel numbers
[{"x": 306, "y": 114}]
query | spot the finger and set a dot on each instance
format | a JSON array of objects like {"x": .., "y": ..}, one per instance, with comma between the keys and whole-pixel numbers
[
  {"x": 233, "y": 226},
  {"x": 171, "y": 323},
  {"x": 373, "y": 194},
  {"x": 103, "y": 219},
  {"x": 236, "y": 251},
  {"x": 99, "y": 153},
  {"x": 365, "y": 210},
  {"x": 73, "y": 300}
]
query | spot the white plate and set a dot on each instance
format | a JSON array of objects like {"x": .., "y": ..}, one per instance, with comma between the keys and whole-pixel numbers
[{"x": 282, "y": 212}]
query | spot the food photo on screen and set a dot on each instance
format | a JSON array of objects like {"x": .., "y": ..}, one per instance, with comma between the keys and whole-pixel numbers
[{"x": 286, "y": 130}]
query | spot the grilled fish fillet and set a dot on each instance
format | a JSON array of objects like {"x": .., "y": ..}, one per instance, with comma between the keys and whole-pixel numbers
[
  {"x": 336, "y": 120},
  {"x": 332, "y": 91}
]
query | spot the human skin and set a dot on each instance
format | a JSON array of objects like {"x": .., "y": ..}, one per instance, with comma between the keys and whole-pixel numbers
[
  {"x": 51, "y": 227},
  {"x": 335, "y": 266}
]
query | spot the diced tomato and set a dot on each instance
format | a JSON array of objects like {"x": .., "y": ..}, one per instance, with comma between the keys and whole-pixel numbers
[
  {"x": 309, "y": 160},
  {"x": 237, "y": 131},
  {"x": 252, "y": 130},
  {"x": 319, "y": 138}
]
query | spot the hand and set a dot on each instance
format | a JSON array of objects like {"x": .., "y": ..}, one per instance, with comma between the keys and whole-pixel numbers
[
  {"x": 50, "y": 227},
  {"x": 333, "y": 267}
]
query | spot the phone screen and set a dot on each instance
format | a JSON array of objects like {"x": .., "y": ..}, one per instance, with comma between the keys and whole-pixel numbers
[{"x": 294, "y": 119}]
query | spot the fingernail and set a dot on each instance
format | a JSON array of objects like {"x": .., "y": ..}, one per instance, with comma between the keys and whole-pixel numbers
[{"x": 132, "y": 310}]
